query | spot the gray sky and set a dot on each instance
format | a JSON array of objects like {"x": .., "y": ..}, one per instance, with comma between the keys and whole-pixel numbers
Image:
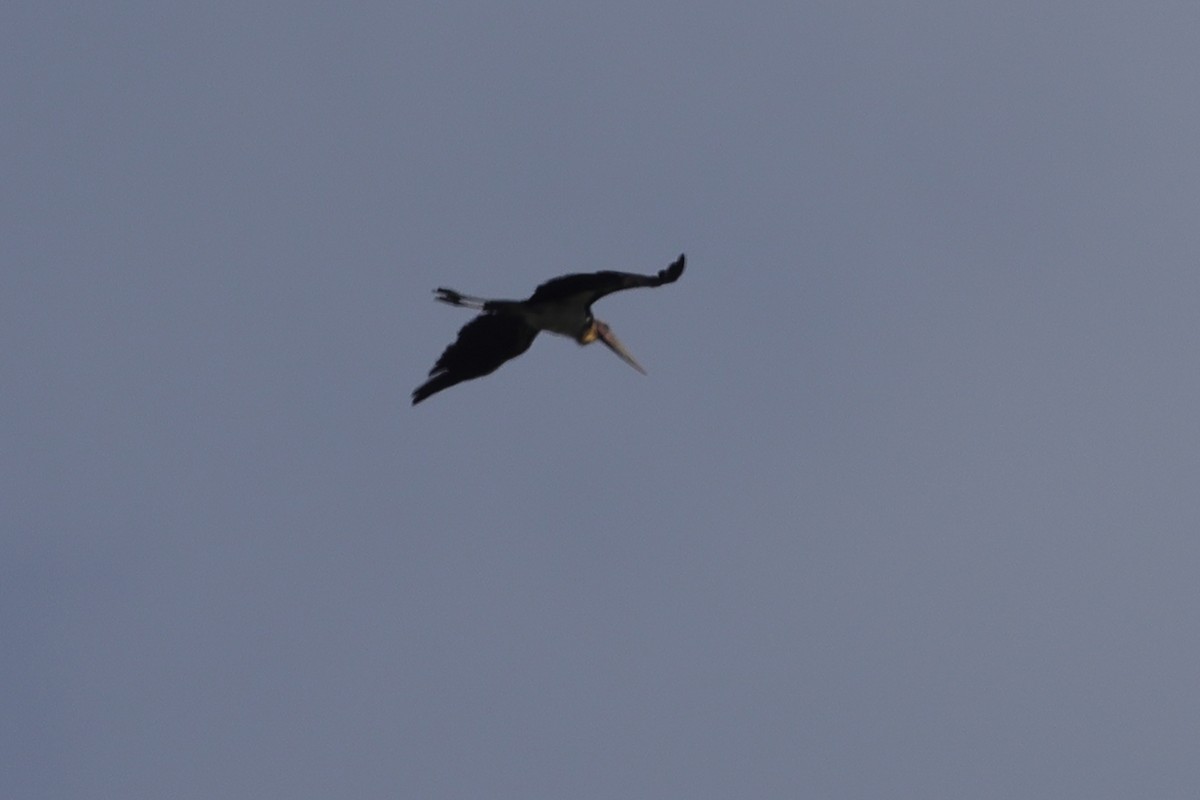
[{"x": 906, "y": 507}]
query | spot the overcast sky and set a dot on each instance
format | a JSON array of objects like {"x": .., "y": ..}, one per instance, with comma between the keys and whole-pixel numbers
[{"x": 907, "y": 506}]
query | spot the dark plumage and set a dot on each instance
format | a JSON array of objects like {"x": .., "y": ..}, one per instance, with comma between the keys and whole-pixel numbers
[
  {"x": 507, "y": 328},
  {"x": 482, "y": 346},
  {"x": 594, "y": 285}
]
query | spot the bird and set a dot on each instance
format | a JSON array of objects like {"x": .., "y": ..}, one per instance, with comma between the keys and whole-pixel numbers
[{"x": 507, "y": 328}]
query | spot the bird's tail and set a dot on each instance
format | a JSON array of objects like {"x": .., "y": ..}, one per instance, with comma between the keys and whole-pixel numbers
[{"x": 451, "y": 297}]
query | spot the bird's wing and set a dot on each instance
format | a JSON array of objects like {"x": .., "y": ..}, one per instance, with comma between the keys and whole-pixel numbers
[
  {"x": 595, "y": 285},
  {"x": 482, "y": 346}
]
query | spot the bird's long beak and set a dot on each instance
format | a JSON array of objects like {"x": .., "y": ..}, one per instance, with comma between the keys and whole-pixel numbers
[{"x": 605, "y": 334}]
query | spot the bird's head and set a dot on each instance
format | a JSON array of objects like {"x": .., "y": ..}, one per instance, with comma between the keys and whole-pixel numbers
[{"x": 601, "y": 331}]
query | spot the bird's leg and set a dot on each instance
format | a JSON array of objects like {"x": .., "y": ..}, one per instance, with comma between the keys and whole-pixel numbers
[
  {"x": 478, "y": 303},
  {"x": 457, "y": 299}
]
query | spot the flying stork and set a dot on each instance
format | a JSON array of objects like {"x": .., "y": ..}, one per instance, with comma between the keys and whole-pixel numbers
[{"x": 507, "y": 328}]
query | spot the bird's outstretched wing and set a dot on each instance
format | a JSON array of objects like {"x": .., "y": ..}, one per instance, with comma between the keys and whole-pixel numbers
[
  {"x": 482, "y": 346},
  {"x": 594, "y": 285}
]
